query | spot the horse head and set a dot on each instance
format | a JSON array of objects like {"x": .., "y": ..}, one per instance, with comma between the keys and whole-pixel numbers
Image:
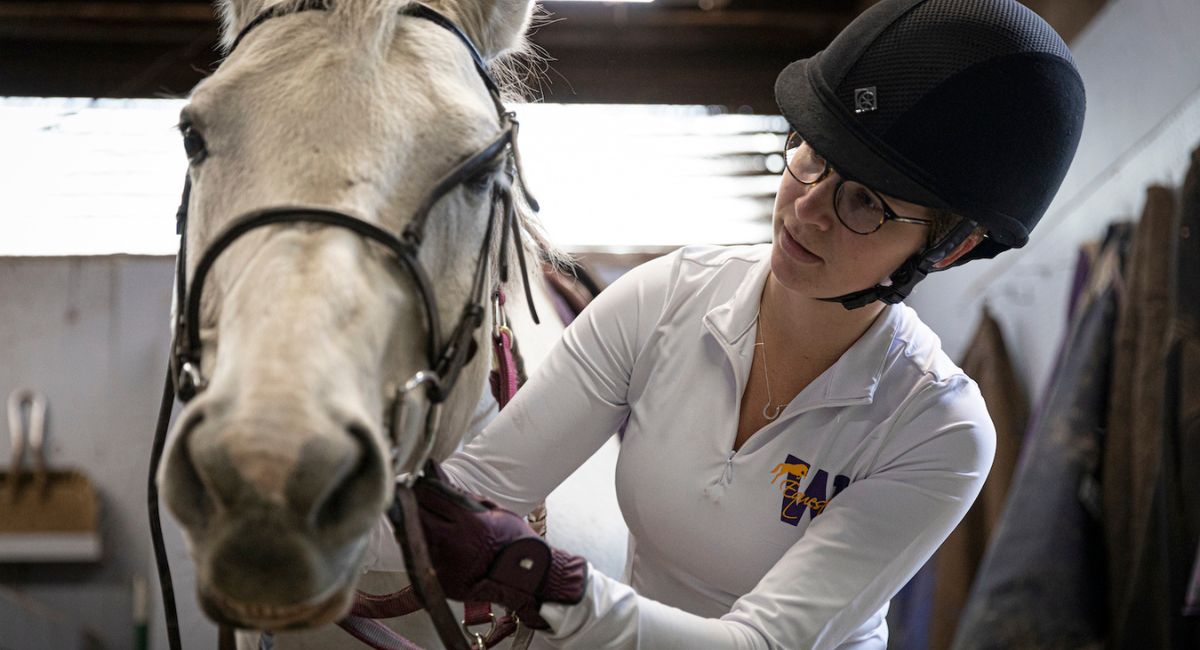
[{"x": 280, "y": 467}]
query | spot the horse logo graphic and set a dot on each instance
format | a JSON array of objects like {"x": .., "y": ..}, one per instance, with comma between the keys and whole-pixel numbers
[
  {"x": 813, "y": 498},
  {"x": 794, "y": 471}
]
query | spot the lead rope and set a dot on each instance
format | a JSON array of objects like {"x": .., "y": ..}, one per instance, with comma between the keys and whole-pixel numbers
[{"x": 506, "y": 378}]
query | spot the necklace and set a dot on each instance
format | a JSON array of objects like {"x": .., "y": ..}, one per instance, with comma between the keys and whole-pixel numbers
[{"x": 761, "y": 343}]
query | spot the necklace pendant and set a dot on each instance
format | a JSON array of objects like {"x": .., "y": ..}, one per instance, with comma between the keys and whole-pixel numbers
[{"x": 772, "y": 415}]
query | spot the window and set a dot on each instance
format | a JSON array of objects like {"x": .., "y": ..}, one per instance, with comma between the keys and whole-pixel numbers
[{"x": 99, "y": 177}]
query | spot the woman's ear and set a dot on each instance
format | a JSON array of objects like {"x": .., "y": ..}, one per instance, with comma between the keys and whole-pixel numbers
[
  {"x": 495, "y": 26},
  {"x": 965, "y": 247}
]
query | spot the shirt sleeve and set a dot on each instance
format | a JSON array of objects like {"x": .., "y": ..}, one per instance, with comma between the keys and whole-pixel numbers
[
  {"x": 573, "y": 401},
  {"x": 852, "y": 559}
]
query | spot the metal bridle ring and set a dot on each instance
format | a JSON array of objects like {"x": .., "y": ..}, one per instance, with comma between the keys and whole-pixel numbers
[
  {"x": 190, "y": 381},
  {"x": 406, "y": 427}
]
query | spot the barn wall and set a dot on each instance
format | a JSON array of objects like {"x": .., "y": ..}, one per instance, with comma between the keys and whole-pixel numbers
[{"x": 92, "y": 334}]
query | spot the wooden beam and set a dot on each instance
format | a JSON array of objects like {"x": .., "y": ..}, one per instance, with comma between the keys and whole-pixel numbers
[
  {"x": 649, "y": 15},
  {"x": 657, "y": 53},
  {"x": 109, "y": 11},
  {"x": 42, "y": 34}
]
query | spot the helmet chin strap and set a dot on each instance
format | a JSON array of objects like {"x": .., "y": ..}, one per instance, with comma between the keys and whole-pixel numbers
[{"x": 912, "y": 271}]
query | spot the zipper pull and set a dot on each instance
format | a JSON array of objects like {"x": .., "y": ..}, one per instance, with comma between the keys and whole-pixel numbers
[{"x": 727, "y": 475}]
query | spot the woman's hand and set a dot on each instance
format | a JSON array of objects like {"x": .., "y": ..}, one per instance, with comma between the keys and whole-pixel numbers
[{"x": 482, "y": 552}]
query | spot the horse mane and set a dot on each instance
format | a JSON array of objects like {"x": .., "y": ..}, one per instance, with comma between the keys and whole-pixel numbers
[{"x": 515, "y": 72}]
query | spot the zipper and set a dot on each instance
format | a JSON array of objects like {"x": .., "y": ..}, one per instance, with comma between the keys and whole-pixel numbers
[
  {"x": 715, "y": 489},
  {"x": 727, "y": 474}
]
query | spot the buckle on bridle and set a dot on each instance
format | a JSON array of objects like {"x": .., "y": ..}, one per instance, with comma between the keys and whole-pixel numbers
[
  {"x": 499, "y": 316},
  {"x": 479, "y": 638}
]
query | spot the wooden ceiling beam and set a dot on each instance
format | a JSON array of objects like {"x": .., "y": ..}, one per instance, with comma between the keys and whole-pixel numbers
[
  {"x": 666, "y": 52},
  {"x": 71, "y": 31},
  {"x": 109, "y": 11}
]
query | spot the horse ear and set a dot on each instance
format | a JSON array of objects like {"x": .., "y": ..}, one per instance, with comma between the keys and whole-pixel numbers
[
  {"x": 234, "y": 16},
  {"x": 495, "y": 26}
]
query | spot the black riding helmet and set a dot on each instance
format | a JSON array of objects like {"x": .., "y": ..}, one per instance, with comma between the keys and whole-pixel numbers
[{"x": 968, "y": 106}]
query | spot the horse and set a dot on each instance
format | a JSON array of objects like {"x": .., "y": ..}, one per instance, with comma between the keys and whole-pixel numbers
[{"x": 280, "y": 465}]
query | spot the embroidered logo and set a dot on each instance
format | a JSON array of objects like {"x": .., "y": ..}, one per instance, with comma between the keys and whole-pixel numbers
[
  {"x": 864, "y": 100},
  {"x": 813, "y": 498}
]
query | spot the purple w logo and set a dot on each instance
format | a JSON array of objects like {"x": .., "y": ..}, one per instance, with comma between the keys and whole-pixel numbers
[{"x": 812, "y": 498}]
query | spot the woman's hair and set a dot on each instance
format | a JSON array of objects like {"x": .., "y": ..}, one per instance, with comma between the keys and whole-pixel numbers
[{"x": 943, "y": 222}]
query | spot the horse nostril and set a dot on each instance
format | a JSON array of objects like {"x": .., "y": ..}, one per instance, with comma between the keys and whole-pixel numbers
[
  {"x": 359, "y": 493},
  {"x": 182, "y": 488}
]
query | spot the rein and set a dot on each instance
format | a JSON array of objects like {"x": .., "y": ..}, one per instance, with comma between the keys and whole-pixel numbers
[{"x": 416, "y": 405}]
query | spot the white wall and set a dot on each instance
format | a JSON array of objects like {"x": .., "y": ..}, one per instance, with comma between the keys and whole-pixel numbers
[
  {"x": 92, "y": 334},
  {"x": 1140, "y": 62}
]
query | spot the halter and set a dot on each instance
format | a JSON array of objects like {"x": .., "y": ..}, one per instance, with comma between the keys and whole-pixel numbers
[{"x": 416, "y": 404}]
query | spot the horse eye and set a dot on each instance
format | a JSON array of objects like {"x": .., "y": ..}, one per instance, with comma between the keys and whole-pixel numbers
[
  {"x": 193, "y": 143},
  {"x": 481, "y": 181}
]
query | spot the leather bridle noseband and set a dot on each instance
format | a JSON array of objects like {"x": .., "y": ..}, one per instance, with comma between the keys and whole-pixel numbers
[{"x": 416, "y": 404}]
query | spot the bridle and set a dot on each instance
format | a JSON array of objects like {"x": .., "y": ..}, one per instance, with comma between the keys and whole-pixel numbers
[{"x": 416, "y": 404}]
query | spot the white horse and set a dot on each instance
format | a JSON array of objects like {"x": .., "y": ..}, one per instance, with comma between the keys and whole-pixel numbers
[{"x": 279, "y": 469}]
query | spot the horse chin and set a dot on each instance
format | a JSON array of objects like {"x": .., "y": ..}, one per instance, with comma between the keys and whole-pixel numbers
[
  {"x": 323, "y": 609},
  {"x": 315, "y": 588}
]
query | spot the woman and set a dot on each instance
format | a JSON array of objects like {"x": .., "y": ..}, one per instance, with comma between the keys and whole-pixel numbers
[{"x": 797, "y": 443}]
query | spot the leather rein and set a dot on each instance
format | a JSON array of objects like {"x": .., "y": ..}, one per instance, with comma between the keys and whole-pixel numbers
[{"x": 414, "y": 412}]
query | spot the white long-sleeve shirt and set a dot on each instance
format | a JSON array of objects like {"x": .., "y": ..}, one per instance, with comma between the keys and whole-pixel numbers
[{"x": 797, "y": 540}]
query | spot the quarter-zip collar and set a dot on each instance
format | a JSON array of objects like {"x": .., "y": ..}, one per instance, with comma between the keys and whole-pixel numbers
[
  {"x": 852, "y": 379},
  {"x": 732, "y": 320}
]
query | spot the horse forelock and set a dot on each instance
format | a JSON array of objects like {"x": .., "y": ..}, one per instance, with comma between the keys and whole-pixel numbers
[{"x": 235, "y": 15}]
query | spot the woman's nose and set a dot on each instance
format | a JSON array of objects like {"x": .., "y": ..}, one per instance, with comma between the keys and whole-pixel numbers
[{"x": 813, "y": 204}]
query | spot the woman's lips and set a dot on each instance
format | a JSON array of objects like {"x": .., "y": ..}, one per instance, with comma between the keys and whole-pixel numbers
[{"x": 796, "y": 251}]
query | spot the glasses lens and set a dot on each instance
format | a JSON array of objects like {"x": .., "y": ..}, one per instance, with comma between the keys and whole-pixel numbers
[
  {"x": 804, "y": 164},
  {"x": 859, "y": 208}
]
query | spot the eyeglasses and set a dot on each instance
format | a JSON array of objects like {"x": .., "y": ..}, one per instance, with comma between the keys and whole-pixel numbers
[{"x": 859, "y": 208}]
